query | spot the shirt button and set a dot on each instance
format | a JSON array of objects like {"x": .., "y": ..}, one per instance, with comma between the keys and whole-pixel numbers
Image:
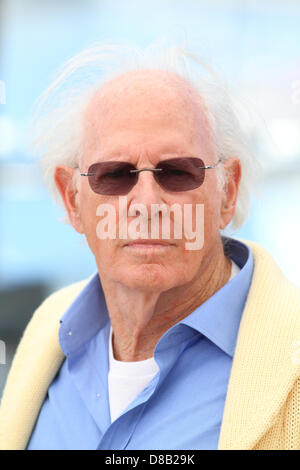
[
  {"x": 97, "y": 395},
  {"x": 70, "y": 333}
]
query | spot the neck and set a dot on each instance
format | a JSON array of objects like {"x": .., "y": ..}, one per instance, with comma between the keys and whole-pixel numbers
[{"x": 139, "y": 318}]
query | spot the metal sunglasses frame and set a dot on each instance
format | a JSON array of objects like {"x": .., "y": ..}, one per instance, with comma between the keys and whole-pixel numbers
[{"x": 208, "y": 167}]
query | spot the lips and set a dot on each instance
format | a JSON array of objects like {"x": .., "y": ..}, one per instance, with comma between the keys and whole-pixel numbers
[{"x": 149, "y": 243}]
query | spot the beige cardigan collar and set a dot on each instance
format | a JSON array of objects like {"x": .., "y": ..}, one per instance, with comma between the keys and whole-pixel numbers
[{"x": 263, "y": 372}]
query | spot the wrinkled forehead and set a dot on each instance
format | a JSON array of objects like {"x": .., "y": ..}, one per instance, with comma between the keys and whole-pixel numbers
[{"x": 145, "y": 99}]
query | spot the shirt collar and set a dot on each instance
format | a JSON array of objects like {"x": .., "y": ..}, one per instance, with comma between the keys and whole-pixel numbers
[
  {"x": 218, "y": 318},
  {"x": 84, "y": 318}
]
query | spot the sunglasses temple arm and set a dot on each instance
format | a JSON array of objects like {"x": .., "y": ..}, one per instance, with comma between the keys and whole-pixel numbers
[{"x": 210, "y": 166}]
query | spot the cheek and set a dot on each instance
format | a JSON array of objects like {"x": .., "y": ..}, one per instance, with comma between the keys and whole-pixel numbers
[
  {"x": 89, "y": 203},
  {"x": 88, "y": 210},
  {"x": 212, "y": 199},
  {"x": 207, "y": 215},
  {"x": 212, "y": 217},
  {"x": 106, "y": 251}
]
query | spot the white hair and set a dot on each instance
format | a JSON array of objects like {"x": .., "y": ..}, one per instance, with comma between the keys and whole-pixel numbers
[{"x": 58, "y": 121}]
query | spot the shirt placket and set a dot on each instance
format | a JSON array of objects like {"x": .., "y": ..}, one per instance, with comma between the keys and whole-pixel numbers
[{"x": 120, "y": 432}]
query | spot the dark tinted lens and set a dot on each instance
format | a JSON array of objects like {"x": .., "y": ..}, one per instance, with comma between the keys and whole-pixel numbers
[
  {"x": 112, "y": 178},
  {"x": 180, "y": 174}
]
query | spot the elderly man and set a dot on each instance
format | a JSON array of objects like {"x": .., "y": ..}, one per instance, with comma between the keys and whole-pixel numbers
[{"x": 169, "y": 345}]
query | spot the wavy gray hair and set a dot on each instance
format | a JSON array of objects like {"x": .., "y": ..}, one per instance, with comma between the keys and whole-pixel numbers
[{"x": 58, "y": 120}]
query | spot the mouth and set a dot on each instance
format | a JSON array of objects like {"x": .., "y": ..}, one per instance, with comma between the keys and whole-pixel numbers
[{"x": 148, "y": 244}]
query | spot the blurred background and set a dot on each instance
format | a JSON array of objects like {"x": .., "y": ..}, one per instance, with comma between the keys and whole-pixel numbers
[{"x": 255, "y": 45}]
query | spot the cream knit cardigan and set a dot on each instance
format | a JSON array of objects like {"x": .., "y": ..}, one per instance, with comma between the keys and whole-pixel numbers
[{"x": 262, "y": 409}]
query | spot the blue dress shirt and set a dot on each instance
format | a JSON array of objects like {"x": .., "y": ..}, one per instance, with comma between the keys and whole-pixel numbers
[{"x": 181, "y": 408}]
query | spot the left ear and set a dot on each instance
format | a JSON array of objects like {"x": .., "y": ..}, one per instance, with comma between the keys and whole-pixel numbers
[{"x": 233, "y": 173}]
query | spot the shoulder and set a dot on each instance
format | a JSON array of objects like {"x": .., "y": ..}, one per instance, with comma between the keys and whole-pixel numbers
[
  {"x": 42, "y": 329},
  {"x": 65, "y": 294},
  {"x": 267, "y": 271},
  {"x": 271, "y": 293},
  {"x": 36, "y": 361},
  {"x": 44, "y": 323},
  {"x": 54, "y": 306}
]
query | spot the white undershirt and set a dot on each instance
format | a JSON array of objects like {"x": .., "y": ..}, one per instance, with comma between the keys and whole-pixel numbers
[{"x": 127, "y": 379}]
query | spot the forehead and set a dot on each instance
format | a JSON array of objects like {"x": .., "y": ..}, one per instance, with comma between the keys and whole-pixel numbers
[{"x": 145, "y": 105}]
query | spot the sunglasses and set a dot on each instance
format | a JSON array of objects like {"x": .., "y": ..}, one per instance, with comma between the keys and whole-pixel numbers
[{"x": 118, "y": 178}]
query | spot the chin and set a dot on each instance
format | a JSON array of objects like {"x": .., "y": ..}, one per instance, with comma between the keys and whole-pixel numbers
[{"x": 151, "y": 277}]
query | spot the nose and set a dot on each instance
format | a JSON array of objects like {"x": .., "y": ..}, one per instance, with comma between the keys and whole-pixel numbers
[{"x": 146, "y": 191}]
